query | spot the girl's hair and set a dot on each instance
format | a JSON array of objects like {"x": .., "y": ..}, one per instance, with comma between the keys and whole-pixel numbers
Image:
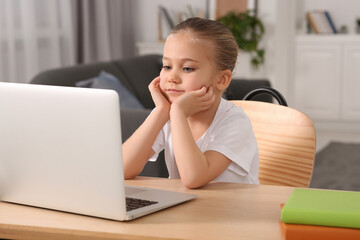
[{"x": 224, "y": 41}]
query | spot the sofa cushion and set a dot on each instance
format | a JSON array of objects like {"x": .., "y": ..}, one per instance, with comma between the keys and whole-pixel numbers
[
  {"x": 106, "y": 80},
  {"x": 138, "y": 72}
]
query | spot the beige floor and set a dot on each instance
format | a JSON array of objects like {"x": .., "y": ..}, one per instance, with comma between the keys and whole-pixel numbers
[{"x": 324, "y": 137}]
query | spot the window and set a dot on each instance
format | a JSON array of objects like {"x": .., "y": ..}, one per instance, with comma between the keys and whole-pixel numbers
[{"x": 35, "y": 35}]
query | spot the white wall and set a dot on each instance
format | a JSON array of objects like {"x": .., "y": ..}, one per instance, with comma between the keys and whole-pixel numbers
[
  {"x": 267, "y": 13},
  {"x": 279, "y": 32}
]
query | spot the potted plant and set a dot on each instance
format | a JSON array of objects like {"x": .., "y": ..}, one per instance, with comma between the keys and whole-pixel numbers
[{"x": 248, "y": 30}]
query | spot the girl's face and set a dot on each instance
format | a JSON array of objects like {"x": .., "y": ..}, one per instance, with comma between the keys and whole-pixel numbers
[{"x": 187, "y": 65}]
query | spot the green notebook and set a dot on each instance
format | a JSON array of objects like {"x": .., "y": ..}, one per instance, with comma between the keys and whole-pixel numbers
[{"x": 322, "y": 207}]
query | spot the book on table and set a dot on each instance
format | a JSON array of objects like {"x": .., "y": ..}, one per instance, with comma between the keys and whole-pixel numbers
[
  {"x": 312, "y": 232},
  {"x": 322, "y": 207}
]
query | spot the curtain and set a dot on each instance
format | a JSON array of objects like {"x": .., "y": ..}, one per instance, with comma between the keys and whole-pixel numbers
[
  {"x": 34, "y": 35},
  {"x": 103, "y": 30}
]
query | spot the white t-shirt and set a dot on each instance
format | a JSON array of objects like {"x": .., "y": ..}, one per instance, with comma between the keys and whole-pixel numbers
[{"x": 230, "y": 134}]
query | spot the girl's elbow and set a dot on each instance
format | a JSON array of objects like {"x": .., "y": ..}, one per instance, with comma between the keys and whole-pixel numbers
[
  {"x": 129, "y": 173},
  {"x": 192, "y": 183},
  {"x": 192, "y": 186},
  {"x": 128, "y": 176}
]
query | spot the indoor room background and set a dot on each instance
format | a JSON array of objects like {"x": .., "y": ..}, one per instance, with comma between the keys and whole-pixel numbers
[{"x": 317, "y": 73}]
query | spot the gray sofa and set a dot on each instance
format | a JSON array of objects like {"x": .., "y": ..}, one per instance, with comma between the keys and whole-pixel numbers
[{"x": 135, "y": 74}]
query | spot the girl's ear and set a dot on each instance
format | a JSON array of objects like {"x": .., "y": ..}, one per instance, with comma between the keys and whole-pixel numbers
[{"x": 224, "y": 80}]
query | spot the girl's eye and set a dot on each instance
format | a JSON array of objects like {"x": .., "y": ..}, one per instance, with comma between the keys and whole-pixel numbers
[
  {"x": 166, "y": 67},
  {"x": 188, "y": 69}
]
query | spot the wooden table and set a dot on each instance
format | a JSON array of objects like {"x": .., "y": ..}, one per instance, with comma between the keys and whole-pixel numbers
[{"x": 221, "y": 211}]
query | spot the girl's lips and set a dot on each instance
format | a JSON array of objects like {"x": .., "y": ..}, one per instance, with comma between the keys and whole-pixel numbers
[{"x": 174, "y": 90}]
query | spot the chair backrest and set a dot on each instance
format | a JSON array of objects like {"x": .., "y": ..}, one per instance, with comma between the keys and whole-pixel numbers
[{"x": 286, "y": 140}]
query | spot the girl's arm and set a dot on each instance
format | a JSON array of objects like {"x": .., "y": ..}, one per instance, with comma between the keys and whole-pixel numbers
[
  {"x": 138, "y": 148},
  {"x": 196, "y": 168}
]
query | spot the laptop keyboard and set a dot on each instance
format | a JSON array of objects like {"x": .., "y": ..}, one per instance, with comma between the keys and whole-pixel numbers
[{"x": 135, "y": 203}]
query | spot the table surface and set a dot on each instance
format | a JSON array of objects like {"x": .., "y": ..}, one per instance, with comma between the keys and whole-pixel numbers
[{"x": 221, "y": 211}]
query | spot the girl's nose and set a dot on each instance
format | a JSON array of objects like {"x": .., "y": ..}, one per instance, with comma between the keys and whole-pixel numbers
[{"x": 174, "y": 79}]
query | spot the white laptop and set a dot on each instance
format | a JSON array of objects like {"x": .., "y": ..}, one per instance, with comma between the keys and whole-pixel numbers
[{"x": 60, "y": 148}]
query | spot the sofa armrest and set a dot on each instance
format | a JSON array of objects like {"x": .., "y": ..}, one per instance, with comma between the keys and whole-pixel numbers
[{"x": 238, "y": 89}]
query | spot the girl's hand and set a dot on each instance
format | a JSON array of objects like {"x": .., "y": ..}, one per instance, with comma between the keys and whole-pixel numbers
[
  {"x": 196, "y": 101},
  {"x": 158, "y": 97}
]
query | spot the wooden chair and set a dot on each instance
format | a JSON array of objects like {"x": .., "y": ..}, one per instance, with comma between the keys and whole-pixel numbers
[{"x": 286, "y": 141}]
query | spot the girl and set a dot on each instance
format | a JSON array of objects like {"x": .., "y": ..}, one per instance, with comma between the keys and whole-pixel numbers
[{"x": 205, "y": 137}]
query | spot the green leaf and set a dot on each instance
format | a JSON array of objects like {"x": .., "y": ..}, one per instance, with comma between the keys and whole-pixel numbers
[{"x": 248, "y": 31}]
